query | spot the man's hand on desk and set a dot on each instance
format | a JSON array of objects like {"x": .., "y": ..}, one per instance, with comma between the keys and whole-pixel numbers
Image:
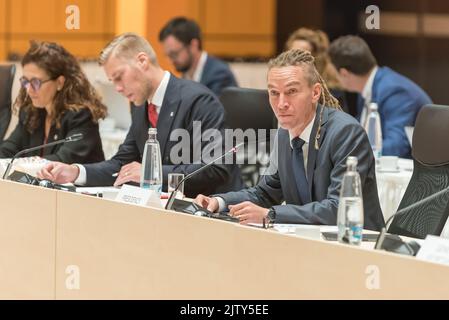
[
  {"x": 246, "y": 212},
  {"x": 129, "y": 172},
  {"x": 59, "y": 172},
  {"x": 210, "y": 203}
]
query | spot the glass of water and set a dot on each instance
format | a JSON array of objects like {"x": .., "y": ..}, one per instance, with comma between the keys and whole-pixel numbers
[{"x": 173, "y": 180}]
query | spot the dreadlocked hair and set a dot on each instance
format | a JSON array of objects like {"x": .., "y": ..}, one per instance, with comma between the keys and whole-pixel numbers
[{"x": 306, "y": 61}]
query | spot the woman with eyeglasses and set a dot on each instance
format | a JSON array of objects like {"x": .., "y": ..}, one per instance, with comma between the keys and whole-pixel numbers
[{"x": 55, "y": 102}]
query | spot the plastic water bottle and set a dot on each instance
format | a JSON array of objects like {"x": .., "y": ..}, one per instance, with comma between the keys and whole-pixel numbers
[
  {"x": 151, "y": 175},
  {"x": 374, "y": 130},
  {"x": 350, "y": 208}
]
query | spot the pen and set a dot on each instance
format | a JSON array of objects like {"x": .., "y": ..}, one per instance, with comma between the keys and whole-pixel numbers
[{"x": 115, "y": 174}]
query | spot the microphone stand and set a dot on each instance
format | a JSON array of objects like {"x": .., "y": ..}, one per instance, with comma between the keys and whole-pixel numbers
[
  {"x": 170, "y": 201},
  {"x": 74, "y": 137}
]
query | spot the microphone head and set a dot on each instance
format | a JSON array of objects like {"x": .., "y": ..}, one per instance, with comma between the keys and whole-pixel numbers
[
  {"x": 74, "y": 137},
  {"x": 46, "y": 184}
]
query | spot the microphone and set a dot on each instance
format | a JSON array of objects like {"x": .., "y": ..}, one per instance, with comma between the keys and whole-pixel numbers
[
  {"x": 170, "y": 201},
  {"x": 395, "y": 240},
  {"x": 72, "y": 138}
]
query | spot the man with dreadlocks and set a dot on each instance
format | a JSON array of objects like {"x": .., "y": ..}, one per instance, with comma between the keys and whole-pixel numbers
[{"x": 310, "y": 153}]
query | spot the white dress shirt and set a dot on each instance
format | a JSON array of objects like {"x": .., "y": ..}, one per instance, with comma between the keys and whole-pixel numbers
[
  {"x": 367, "y": 95},
  {"x": 198, "y": 73}
]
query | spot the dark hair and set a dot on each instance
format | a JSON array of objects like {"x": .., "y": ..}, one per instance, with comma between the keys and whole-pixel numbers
[
  {"x": 183, "y": 29},
  {"x": 76, "y": 93},
  {"x": 353, "y": 54}
]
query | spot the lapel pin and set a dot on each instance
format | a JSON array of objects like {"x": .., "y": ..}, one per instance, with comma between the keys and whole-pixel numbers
[
  {"x": 171, "y": 114},
  {"x": 55, "y": 137}
]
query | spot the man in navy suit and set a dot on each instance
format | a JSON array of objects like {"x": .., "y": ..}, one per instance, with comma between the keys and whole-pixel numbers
[
  {"x": 309, "y": 157},
  {"x": 398, "y": 98},
  {"x": 159, "y": 100},
  {"x": 181, "y": 39}
]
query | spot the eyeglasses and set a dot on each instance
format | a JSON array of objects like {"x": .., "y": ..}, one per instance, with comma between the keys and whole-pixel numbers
[
  {"x": 175, "y": 53},
  {"x": 34, "y": 82}
]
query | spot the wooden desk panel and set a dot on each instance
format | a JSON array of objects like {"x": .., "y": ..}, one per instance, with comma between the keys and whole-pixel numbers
[
  {"x": 125, "y": 251},
  {"x": 27, "y": 241},
  {"x": 131, "y": 252},
  {"x": 128, "y": 252}
]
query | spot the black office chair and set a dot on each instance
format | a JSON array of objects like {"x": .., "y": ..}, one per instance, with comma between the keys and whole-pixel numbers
[
  {"x": 430, "y": 175},
  {"x": 7, "y": 73},
  {"x": 250, "y": 109}
]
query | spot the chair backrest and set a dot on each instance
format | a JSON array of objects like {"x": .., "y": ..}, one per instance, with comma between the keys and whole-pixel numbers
[
  {"x": 250, "y": 109},
  {"x": 247, "y": 109},
  {"x": 7, "y": 73},
  {"x": 430, "y": 174}
]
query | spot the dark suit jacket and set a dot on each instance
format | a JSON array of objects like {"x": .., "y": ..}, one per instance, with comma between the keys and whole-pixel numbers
[
  {"x": 184, "y": 102},
  {"x": 399, "y": 101},
  {"x": 217, "y": 75},
  {"x": 341, "y": 136},
  {"x": 87, "y": 150}
]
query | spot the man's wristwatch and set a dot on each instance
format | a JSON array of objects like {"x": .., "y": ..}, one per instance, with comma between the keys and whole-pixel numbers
[{"x": 271, "y": 217}]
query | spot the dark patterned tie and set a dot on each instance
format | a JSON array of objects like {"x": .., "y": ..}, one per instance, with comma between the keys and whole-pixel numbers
[{"x": 299, "y": 171}]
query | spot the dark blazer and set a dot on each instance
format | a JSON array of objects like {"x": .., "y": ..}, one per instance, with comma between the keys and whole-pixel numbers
[
  {"x": 341, "y": 136},
  {"x": 185, "y": 101},
  {"x": 399, "y": 101},
  {"x": 87, "y": 150},
  {"x": 217, "y": 75}
]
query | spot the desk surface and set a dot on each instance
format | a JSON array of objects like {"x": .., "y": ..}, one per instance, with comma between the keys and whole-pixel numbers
[{"x": 131, "y": 252}]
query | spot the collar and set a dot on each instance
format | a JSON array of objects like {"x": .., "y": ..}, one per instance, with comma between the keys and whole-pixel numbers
[
  {"x": 159, "y": 94},
  {"x": 200, "y": 67},
  {"x": 305, "y": 134},
  {"x": 368, "y": 88}
]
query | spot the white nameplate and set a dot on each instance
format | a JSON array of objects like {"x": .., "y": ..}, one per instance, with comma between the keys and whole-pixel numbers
[
  {"x": 138, "y": 196},
  {"x": 434, "y": 249}
]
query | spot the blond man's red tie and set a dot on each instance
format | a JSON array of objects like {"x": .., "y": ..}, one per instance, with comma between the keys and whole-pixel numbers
[{"x": 152, "y": 115}]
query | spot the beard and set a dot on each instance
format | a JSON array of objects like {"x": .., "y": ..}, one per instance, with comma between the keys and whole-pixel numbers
[{"x": 183, "y": 68}]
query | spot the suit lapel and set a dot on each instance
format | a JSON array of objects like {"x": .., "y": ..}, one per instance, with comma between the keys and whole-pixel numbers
[
  {"x": 376, "y": 81},
  {"x": 168, "y": 111},
  {"x": 142, "y": 113},
  {"x": 360, "y": 105},
  {"x": 312, "y": 155},
  {"x": 53, "y": 135},
  {"x": 205, "y": 75},
  {"x": 38, "y": 135}
]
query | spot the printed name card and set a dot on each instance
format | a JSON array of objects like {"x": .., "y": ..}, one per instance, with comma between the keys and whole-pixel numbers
[
  {"x": 434, "y": 249},
  {"x": 139, "y": 196}
]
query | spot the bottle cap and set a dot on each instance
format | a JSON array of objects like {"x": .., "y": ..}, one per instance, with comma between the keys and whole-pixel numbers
[
  {"x": 351, "y": 161},
  {"x": 152, "y": 130},
  {"x": 373, "y": 106}
]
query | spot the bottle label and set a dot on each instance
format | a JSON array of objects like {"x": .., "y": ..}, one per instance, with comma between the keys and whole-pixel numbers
[{"x": 152, "y": 186}]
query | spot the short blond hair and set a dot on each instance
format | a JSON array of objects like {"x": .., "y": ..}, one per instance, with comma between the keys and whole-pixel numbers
[{"x": 127, "y": 45}]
